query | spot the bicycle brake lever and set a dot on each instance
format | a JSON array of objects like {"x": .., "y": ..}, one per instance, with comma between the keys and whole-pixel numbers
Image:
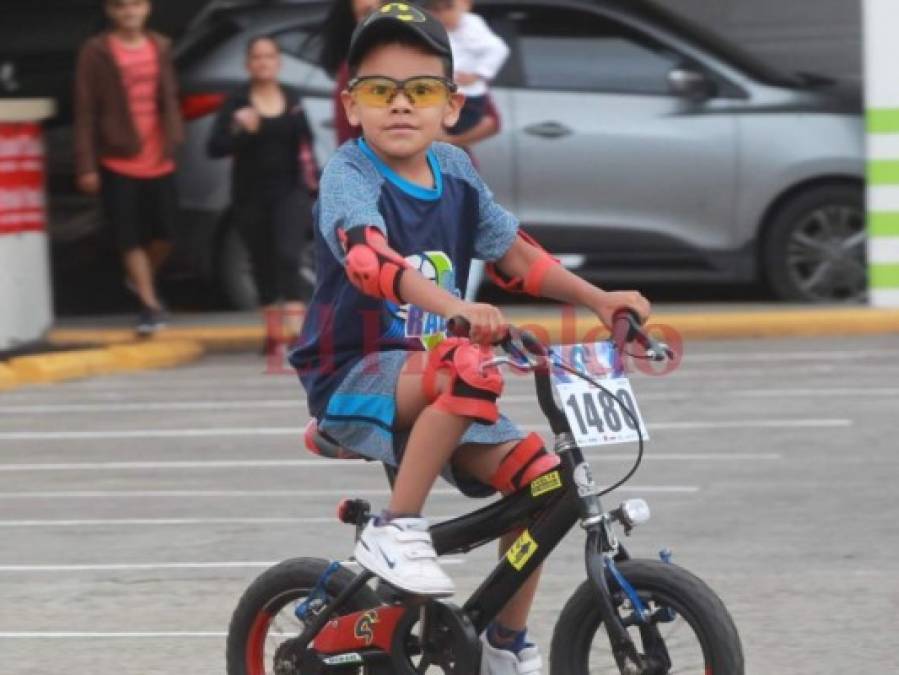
[{"x": 626, "y": 328}]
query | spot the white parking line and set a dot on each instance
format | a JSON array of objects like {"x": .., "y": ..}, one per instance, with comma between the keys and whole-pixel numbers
[
  {"x": 185, "y": 465},
  {"x": 102, "y": 522},
  {"x": 292, "y": 494},
  {"x": 154, "y": 406},
  {"x": 738, "y": 356},
  {"x": 138, "y": 567},
  {"x": 876, "y": 392},
  {"x": 325, "y": 463},
  {"x": 131, "y": 635},
  {"x": 733, "y": 424},
  {"x": 190, "y": 494},
  {"x": 103, "y": 434},
  {"x": 294, "y": 404},
  {"x": 219, "y": 432},
  {"x": 123, "y": 567}
]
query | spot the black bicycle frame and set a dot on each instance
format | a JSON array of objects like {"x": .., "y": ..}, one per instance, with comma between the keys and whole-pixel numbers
[
  {"x": 547, "y": 510},
  {"x": 547, "y": 516}
]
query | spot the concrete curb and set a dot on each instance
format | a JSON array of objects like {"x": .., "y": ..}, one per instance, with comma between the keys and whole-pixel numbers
[
  {"x": 212, "y": 338},
  {"x": 566, "y": 326},
  {"x": 77, "y": 364}
]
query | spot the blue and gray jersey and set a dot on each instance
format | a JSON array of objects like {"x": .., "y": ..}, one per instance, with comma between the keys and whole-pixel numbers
[{"x": 438, "y": 230}]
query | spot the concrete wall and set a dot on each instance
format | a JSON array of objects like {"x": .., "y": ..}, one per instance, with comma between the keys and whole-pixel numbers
[{"x": 814, "y": 35}]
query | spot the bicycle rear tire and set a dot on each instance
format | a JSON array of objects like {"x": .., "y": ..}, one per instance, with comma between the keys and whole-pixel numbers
[{"x": 276, "y": 588}]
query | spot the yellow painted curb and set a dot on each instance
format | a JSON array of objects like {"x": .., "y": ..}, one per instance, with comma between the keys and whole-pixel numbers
[
  {"x": 219, "y": 338},
  {"x": 212, "y": 338},
  {"x": 81, "y": 336},
  {"x": 49, "y": 367},
  {"x": 70, "y": 365},
  {"x": 8, "y": 378},
  {"x": 557, "y": 326},
  {"x": 155, "y": 354}
]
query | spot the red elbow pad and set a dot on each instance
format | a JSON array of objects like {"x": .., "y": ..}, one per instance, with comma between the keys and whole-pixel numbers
[
  {"x": 532, "y": 282},
  {"x": 370, "y": 264}
]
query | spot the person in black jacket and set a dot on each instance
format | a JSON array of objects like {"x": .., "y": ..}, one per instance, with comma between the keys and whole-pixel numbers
[{"x": 264, "y": 128}]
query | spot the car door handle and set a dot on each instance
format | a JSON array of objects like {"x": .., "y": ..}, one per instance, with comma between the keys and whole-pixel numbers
[{"x": 548, "y": 130}]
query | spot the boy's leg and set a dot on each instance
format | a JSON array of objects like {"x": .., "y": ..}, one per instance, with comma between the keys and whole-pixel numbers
[
  {"x": 434, "y": 437},
  {"x": 125, "y": 206},
  {"x": 397, "y": 546},
  {"x": 482, "y": 462},
  {"x": 159, "y": 211},
  {"x": 140, "y": 273},
  {"x": 158, "y": 252}
]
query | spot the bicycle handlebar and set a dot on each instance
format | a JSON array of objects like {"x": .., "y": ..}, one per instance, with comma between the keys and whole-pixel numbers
[{"x": 626, "y": 328}]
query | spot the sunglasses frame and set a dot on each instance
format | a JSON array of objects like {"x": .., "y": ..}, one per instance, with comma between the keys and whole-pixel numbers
[{"x": 451, "y": 87}]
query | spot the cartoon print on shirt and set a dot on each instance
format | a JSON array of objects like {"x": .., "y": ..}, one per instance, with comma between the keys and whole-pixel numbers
[{"x": 411, "y": 321}]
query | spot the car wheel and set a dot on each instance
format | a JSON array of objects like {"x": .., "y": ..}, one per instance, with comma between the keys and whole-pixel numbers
[
  {"x": 815, "y": 248},
  {"x": 235, "y": 272}
]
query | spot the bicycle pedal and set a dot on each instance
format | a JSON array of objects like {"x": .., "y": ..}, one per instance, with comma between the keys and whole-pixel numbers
[{"x": 354, "y": 512}]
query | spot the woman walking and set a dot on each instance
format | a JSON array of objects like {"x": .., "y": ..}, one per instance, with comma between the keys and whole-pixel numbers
[{"x": 264, "y": 128}]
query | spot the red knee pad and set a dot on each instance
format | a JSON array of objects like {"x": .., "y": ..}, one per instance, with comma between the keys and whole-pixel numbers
[
  {"x": 472, "y": 393},
  {"x": 527, "y": 461}
]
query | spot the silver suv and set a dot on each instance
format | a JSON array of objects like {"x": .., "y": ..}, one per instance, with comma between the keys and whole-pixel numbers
[{"x": 636, "y": 145}]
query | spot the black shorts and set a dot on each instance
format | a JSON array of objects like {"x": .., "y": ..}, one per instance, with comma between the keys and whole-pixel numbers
[
  {"x": 138, "y": 210},
  {"x": 274, "y": 229},
  {"x": 472, "y": 112}
]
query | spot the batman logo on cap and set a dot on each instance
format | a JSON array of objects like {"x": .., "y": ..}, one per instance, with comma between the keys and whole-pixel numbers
[{"x": 403, "y": 12}]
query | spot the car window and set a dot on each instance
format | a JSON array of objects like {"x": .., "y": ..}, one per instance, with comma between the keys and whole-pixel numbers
[
  {"x": 572, "y": 50},
  {"x": 300, "y": 43},
  {"x": 301, "y": 47},
  {"x": 205, "y": 39}
]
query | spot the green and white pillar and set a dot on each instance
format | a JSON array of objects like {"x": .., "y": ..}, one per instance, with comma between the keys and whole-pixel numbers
[{"x": 882, "y": 103}]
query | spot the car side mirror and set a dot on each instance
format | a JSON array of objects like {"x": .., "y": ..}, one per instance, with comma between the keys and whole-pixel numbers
[{"x": 690, "y": 83}]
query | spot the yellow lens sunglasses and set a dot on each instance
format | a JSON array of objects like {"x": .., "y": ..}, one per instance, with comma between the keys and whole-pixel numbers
[{"x": 423, "y": 91}]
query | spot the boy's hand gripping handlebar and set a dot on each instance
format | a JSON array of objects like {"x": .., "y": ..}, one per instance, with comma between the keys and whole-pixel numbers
[{"x": 626, "y": 328}]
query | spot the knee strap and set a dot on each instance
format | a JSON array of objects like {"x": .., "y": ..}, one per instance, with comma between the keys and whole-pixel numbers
[
  {"x": 471, "y": 392},
  {"x": 527, "y": 461},
  {"x": 370, "y": 264},
  {"x": 532, "y": 282}
]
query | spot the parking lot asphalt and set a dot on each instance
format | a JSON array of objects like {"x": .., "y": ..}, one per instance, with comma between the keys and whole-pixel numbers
[{"x": 134, "y": 509}]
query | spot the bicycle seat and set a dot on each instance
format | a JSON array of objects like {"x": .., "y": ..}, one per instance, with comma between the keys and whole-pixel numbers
[{"x": 320, "y": 443}]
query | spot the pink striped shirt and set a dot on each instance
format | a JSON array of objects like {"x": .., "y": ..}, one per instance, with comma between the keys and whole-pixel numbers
[{"x": 139, "y": 68}]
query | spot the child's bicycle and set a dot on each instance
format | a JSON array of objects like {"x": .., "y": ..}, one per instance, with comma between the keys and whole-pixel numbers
[{"x": 308, "y": 616}]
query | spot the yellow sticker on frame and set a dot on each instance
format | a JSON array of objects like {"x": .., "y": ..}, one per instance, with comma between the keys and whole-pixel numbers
[
  {"x": 548, "y": 483},
  {"x": 521, "y": 551}
]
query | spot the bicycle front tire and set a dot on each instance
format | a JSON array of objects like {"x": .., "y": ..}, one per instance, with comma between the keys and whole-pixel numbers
[{"x": 580, "y": 645}]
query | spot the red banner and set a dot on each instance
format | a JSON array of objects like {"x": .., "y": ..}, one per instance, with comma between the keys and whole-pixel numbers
[{"x": 22, "y": 201}]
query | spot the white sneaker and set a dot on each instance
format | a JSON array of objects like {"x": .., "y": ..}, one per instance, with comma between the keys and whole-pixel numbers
[
  {"x": 496, "y": 661},
  {"x": 402, "y": 554}
]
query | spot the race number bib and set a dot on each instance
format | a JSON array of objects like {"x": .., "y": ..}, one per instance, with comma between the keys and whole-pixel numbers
[{"x": 597, "y": 417}]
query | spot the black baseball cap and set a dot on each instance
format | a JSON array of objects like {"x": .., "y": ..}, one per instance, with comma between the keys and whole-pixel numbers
[{"x": 396, "y": 17}]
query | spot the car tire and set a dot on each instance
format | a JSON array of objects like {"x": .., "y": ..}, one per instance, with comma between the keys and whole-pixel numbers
[
  {"x": 235, "y": 272},
  {"x": 814, "y": 249}
]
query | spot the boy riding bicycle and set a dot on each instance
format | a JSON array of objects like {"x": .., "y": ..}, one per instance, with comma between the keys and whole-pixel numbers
[{"x": 399, "y": 220}]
